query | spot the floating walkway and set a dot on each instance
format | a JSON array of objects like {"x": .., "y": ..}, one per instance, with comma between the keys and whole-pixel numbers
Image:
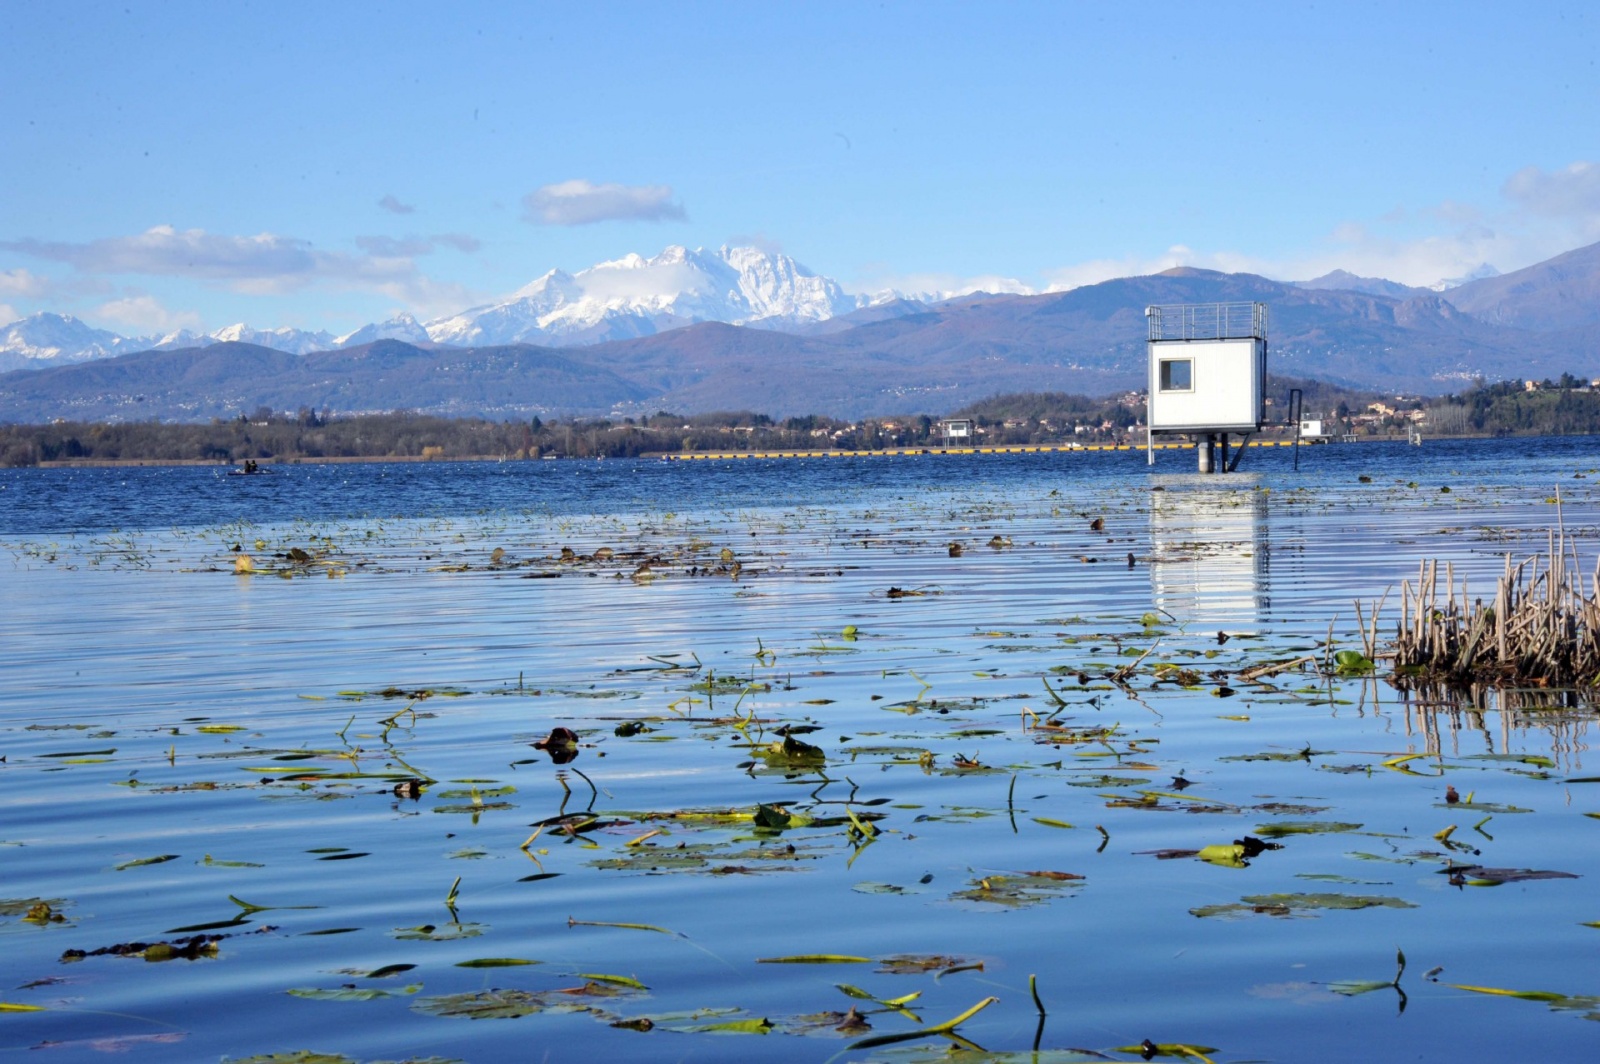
[{"x": 893, "y": 452}]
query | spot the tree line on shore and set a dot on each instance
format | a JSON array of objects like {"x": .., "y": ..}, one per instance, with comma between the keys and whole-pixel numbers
[{"x": 1567, "y": 406}]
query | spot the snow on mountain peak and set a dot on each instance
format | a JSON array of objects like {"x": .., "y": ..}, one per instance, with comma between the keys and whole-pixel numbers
[
  {"x": 284, "y": 338},
  {"x": 1477, "y": 273},
  {"x": 636, "y": 296},
  {"x": 625, "y": 297},
  {"x": 400, "y": 327},
  {"x": 47, "y": 339}
]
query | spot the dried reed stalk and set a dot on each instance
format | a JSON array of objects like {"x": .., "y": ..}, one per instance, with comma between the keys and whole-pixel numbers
[{"x": 1542, "y": 627}]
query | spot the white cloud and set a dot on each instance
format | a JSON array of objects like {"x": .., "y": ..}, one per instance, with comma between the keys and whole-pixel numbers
[
  {"x": 265, "y": 264},
  {"x": 22, "y": 283},
  {"x": 426, "y": 297},
  {"x": 1551, "y": 212},
  {"x": 8, "y": 314},
  {"x": 1571, "y": 192},
  {"x": 1066, "y": 278},
  {"x": 1415, "y": 260},
  {"x": 169, "y": 252},
  {"x": 581, "y": 202},
  {"x": 759, "y": 241},
  {"x": 394, "y": 206},
  {"x": 143, "y": 313},
  {"x": 933, "y": 287}
]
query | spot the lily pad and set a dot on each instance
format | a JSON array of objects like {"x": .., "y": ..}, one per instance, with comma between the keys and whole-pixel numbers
[
  {"x": 1305, "y": 827},
  {"x": 1016, "y": 890},
  {"x": 1299, "y": 904},
  {"x": 1478, "y": 875},
  {"x": 482, "y": 1005},
  {"x": 432, "y": 933},
  {"x": 348, "y": 993}
]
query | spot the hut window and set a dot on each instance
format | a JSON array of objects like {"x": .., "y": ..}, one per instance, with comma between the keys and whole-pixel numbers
[{"x": 1177, "y": 374}]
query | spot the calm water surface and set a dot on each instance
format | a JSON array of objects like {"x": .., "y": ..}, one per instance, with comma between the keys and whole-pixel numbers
[{"x": 180, "y": 739}]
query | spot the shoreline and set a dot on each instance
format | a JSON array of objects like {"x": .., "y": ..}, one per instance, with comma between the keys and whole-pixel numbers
[{"x": 690, "y": 456}]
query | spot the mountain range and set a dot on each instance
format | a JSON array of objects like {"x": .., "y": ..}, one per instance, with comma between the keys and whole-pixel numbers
[
  {"x": 625, "y": 298},
  {"x": 740, "y": 328}
]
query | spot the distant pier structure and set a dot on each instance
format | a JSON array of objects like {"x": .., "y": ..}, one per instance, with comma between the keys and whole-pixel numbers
[{"x": 1208, "y": 378}]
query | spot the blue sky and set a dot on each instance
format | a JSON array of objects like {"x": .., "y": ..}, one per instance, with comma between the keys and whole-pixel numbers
[{"x": 324, "y": 165}]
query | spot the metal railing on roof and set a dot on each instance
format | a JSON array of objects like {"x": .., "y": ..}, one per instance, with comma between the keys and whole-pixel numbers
[{"x": 1208, "y": 321}]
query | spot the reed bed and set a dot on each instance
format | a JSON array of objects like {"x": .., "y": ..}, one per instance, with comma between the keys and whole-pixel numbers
[{"x": 1541, "y": 628}]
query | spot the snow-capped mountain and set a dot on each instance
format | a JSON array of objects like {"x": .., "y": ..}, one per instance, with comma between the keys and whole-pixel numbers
[
  {"x": 628, "y": 297},
  {"x": 636, "y": 296},
  {"x": 49, "y": 339},
  {"x": 294, "y": 341},
  {"x": 400, "y": 327},
  {"x": 1480, "y": 272},
  {"x": 46, "y": 339}
]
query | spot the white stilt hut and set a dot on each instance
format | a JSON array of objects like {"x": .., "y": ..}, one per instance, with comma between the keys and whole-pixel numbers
[{"x": 1208, "y": 377}]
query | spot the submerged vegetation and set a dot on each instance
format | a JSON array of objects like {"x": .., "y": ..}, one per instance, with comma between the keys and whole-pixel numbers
[{"x": 785, "y": 776}]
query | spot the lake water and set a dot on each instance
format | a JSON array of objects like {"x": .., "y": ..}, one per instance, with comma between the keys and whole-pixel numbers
[{"x": 807, "y": 726}]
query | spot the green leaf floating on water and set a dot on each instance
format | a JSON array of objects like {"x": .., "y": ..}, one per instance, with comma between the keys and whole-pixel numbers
[
  {"x": 1015, "y": 890},
  {"x": 1305, "y": 754},
  {"x": 1536, "y": 760},
  {"x": 615, "y": 980},
  {"x": 476, "y": 792},
  {"x": 754, "y": 1025},
  {"x": 1352, "y": 663},
  {"x": 212, "y": 862},
  {"x": 815, "y": 958},
  {"x": 142, "y": 861},
  {"x": 495, "y": 962},
  {"x": 792, "y": 753},
  {"x": 430, "y": 933},
  {"x": 482, "y": 1005},
  {"x": 1180, "y": 1050},
  {"x": 770, "y": 816},
  {"x": 1588, "y": 1004},
  {"x": 296, "y": 1056},
  {"x": 1108, "y": 781},
  {"x": 349, "y": 993},
  {"x": 1355, "y": 988},
  {"x": 1230, "y": 854},
  {"x": 1305, "y": 827},
  {"x": 1299, "y": 904},
  {"x": 510, "y": 1004}
]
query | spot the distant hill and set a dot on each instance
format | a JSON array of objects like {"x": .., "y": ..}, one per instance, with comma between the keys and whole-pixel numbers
[
  {"x": 1345, "y": 281},
  {"x": 899, "y": 356},
  {"x": 1558, "y": 294},
  {"x": 227, "y": 379}
]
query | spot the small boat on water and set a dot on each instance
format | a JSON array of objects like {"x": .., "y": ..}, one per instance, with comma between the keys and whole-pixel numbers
[{"x": 249, "y": 469}]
